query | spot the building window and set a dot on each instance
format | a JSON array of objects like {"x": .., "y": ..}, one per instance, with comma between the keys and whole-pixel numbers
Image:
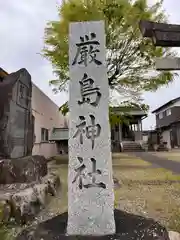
[
  {"x": 168, "y": 112},
  {"x": 44, "y": 135},
  {"x": 160, "y": 115}
]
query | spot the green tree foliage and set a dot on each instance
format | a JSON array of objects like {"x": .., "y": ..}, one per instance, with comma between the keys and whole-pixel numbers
[
  {"x": 114, "y": 115},
  {"x": 130, "y": 58}
]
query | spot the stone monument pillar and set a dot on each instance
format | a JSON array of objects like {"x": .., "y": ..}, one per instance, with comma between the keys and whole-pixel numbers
[{"x": 90, "y": 184}]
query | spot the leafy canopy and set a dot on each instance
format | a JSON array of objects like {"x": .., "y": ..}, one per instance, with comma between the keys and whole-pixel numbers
[
  {"x": 130, "y": 58},
  {"x": 114, "y": 116}
]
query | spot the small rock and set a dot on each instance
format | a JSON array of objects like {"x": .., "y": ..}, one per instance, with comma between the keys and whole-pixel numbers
[
  {"x": 25, "y": 170},
  {"x": 51, "y": 189},
  {"x": 53, "y": 182},
  {"x": 174, "y": 235},
  {"x": 41, "y": 191},
  {"x": 25, "y": 205}
]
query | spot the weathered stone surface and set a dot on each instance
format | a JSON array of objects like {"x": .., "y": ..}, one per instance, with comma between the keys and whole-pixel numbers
[
  {"x": 90, "y": 184},
  {"x": 52, "y": 180},
  {"x": 34, "y": 167},
  {"x": 7, "y": 172},
  {"x": 15, "y": 187},
  {"x": 16, "y": 115},
  {"x": 24, "y": 170},
  {"x": 174, "y": 235},
  {"x": 24, "y": 201},
  {"x": 7, "y": 205},
  {"x": 128, "y": 227},
  {"x": 41, "y": 191},
  {"x": 30, "y": 135},
  {"x": 25, "y": 205}
]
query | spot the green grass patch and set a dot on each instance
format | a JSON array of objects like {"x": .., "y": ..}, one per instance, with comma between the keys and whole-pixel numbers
[
  {"x": 58, "y": 204},
  {"x": 124, "y": 159},
  {"x": 61, "y": 159},
  {"x": 151, "y": 192},
  {"x": 146, "y": 191},
  {"x": 174, "y": 220},
  {"x": 7, "y": 233}
]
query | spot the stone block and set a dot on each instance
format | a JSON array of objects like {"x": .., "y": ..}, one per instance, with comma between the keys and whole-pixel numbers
[
  {"x": 53, "y": 182},
  {"x": 24, "y": 170},
  {"x": 25, "y": 205},
  {"x": 41, "y": 191},
  {"x": 90, "y": 183}
]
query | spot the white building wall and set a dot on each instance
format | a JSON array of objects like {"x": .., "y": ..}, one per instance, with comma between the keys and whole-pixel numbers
[
  {"x": 138, "y": 136},
  {"x": 47, "y": 115},
  {"x": 145, "y": 138},
  {"x": 166, "y": 138},
  {"x": 166, "y": 134}
]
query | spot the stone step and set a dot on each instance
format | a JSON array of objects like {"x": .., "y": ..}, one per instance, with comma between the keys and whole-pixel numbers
[{"x": 131, "y": 147}]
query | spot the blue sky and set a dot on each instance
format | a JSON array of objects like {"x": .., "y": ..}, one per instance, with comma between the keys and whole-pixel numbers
[{"x": 21, "y": 38}]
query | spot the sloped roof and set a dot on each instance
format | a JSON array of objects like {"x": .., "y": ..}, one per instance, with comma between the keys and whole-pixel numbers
[
  {"x": 3, "y": 73},
  {"x": 166, "y": 104}
]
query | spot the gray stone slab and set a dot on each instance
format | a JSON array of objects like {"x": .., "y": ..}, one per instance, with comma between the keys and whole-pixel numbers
[
  {"x": 90, "y": 184},
  {"x": 16, "y": 122}
]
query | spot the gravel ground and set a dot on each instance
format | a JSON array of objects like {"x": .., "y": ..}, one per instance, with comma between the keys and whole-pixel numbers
[{"x": 145, "y": 191}]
